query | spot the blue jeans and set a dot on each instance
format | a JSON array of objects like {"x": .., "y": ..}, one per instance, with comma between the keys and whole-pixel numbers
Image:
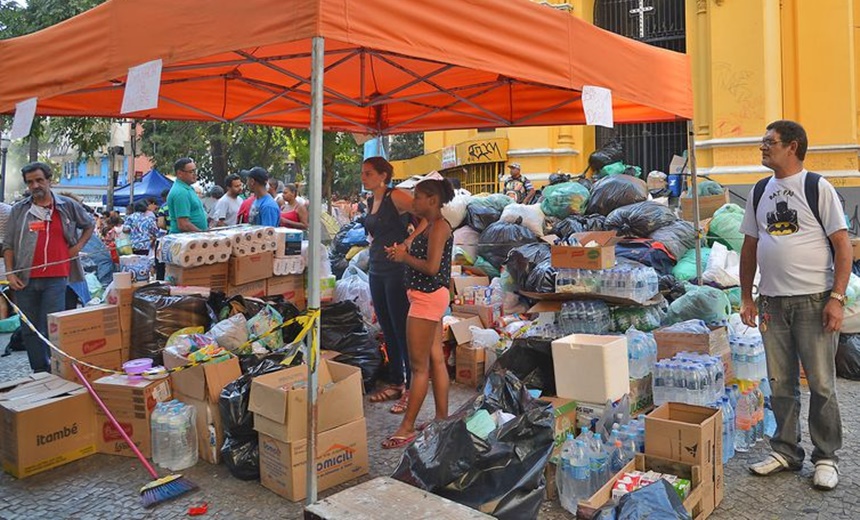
[
  {"x": 40, "y": 297},
  {"x": 391, "y": 307},
  {"x": 794, "y": 332}
]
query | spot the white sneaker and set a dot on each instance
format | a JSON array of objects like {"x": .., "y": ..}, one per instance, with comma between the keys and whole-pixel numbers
[
  {"x": 773, "y": 463},
  {"x": 826, "y": 475}
]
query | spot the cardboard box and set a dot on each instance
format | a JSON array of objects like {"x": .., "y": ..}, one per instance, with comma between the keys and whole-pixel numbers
[
  {"x": 45, "y": 422},
  {"x": 62, "y": 366},
  {"x": 591, "y": 368},
  {"x": 132, "y": 398},
  {"x": 641, "y": 394},
  {"x": 670, "y": 343},
  {"x": 279, "y": 400},
  {"x": 564, "y": 411},
  {"x": 110, "y": 442},
  {"x": 210, "y": 432},
  {"x": 599, "y": 257},
  {"x": 693, "y": 435},
  {"x": 487, "y": 313},
  {"x": 460, "y": 283},
  {"x": 693, "y": 502},
  {"x": 123, "y": 298},
  {"x": 85, "y": 331},
  {"x": 249, "y": 290},
  {"x": 708, "y": 205},
  {"x": 460, "y": 332},
  {"x": 470, "y": 365},
  {"x": 245, "y": 269},
  {"x": 291, "y": 287},
  {"x": 341, "y": 457},
  {"x": 213, "y": 276},
  {"x": 202, "y": 382}
]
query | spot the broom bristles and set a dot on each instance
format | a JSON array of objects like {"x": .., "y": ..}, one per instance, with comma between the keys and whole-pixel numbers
[{"x": 164, "y": 489}]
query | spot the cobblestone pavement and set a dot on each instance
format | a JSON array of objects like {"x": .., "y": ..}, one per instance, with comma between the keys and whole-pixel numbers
[{"x": 105, "y": 487}]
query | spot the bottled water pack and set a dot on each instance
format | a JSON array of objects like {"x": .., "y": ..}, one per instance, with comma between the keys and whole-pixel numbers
[
  {"x": 637, "y": 283},
  {"x": 174, "y": 435}
]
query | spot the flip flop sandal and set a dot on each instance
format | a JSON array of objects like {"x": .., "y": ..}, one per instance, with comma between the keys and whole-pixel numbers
[
  {"x": 396, "y": 441},
  {"x": 400, "y": 406},
  {"x": 387, "y": 393}
]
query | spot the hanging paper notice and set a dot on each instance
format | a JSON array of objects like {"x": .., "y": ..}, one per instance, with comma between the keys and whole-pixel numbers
[
  {"x": 597, "y": 105},
  {"x": 25, "y": 111},
  {"x": 360, "y": 139},
  {"x": 141, "y": 88}
]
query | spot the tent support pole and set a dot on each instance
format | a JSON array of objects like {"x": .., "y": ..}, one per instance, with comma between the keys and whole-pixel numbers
[
  {"x": 314, "y": 267},
  {"x": 132, "y": 137},
  {"x": 691, "y": 158}
]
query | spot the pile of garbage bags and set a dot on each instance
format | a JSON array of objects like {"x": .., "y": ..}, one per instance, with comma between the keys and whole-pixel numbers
[{"x": 343, "y": 330}]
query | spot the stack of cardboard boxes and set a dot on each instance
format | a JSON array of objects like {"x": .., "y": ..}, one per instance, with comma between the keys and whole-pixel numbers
[
  {"x": 131, "y": 401},
  {"x": 279, "y": 403},
  {"x": 89, "y": 334},
  {"x": 201, "y": 387},
  {"x": 45, "y": 422},
  {"x": 715, "y": 343}
]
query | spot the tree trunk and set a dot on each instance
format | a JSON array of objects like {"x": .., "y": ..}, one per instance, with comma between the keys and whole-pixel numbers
[
  {"x": 34, "y": 145},
  {"x": 216, "y": 150}
]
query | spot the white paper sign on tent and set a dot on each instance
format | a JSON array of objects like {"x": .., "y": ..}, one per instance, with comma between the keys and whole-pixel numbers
[
  {"x": 597, "y": 105},
  {"x": 141, "y": 87},
  {"x": 25, "y": 111}
]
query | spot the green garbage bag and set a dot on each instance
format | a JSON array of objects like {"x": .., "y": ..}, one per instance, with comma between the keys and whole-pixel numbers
[
  {"x": 616, "y": 168},
  {"x": 725, "y": 227},
  {"x": 496, "y": 201},
  {"x": 707, "y": 188},
  {"x": 700, "y": 303},
  {"x": 562, "y": 200},
  {"x": 734, "y": 295},
  {"x": 10, "y": 324},
  {"x": 485, "y": 266},
  {"x": 685, "y": 269}
]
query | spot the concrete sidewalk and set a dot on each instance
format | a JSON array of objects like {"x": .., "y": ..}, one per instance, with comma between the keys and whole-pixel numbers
[{"x": 106, "y": 487}]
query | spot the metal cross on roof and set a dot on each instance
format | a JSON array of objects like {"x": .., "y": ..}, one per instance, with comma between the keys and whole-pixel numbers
[{"x": 640, "y": 11}]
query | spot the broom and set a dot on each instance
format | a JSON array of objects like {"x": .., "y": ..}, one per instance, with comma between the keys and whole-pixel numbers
[{"x": 159, "y": 490}]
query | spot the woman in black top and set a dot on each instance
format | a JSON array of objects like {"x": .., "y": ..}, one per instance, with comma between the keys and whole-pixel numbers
[
  {"x": 428, "y": 275},
  {"x": 387, "y": 223}
]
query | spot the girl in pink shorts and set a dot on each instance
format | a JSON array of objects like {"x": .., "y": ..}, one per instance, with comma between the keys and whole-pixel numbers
[{"x": 427, "y": 277}]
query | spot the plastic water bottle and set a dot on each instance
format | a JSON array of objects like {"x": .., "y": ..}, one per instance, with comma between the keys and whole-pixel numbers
[
  {"x": 580, "y": 481},
  {"x": 736, "y": 396},
  {"x": 618, "y": 459},
  {"x": 563, "y": 474},
  {"x": 154, "y": 429},
  {"x": 759, "y": 412},
  {"x": 164, "y": 437},
  {"x": 599, "y": 461},
  {"x": 584, "y": 435},
  {"x": 640, "y": 439},
  {"x": 743, "y": 422},
  {"x": 728, "y": 429},
  {"x": 769, "y": 418}
]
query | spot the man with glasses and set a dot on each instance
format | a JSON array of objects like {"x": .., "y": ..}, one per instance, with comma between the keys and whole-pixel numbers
[
  {"x": 186, "y": 210},
  {"x": 795, "y": 233}
]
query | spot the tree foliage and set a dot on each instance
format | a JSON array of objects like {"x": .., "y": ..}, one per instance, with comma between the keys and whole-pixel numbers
[{"x": 406, "y": 146}]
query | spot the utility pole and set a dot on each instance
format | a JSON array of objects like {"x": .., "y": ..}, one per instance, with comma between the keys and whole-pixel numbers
[{"x": 131, "y": 171}]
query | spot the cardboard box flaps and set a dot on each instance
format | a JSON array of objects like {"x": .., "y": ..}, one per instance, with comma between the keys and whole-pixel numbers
[
  {"x": 341, "y": 457},
  {"x": 202, "y": 382},
  {"x": 279, "y": 400},
  {"x": 45, "y": 422},
  {"x": 601, "y": 256},
  {"x": 460, "y": 283},
  {"x": 708, "y": 205},
  {"x": 460, "y": 332}
]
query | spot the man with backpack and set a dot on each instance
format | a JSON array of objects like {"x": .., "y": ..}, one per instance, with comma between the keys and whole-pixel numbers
[{"x": 795, "y": 233}]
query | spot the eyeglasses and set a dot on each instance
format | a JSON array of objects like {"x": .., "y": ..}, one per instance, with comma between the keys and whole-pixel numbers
[
  {"x": 767, "y": 143},
  {"x": 191, "y": 171}
]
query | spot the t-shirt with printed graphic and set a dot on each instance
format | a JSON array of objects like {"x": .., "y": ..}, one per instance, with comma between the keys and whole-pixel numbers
[
  {"x": 520, "y": 186},
  {"x": 793, "y": 250}
]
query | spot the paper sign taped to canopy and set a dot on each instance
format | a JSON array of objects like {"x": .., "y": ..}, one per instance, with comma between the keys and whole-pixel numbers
[
  {"x": 25, "y": 111},
  {"x": 141, "y": 87},
  {"x": 597, "y": 105}
]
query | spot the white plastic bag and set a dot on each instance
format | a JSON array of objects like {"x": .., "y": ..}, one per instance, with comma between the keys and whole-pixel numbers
[
  {"x": 531, "y": 215},
  {"x": 723, "y": 267},
  {"x": 738, "y": 328},
  {"x": 231, "y": 333},
  {"x": 455, "y": 211},
  {"x": 484, "y": 338},
  {"x": 467, "y": 238},
  {"x": 355, "y": 286}
]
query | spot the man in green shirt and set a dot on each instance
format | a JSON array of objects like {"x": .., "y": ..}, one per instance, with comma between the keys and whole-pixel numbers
[{"x": 186, "y": 208}]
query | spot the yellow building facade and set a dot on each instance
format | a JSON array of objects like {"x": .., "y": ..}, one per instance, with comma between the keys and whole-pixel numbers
[{"x": 754, "y": 61}]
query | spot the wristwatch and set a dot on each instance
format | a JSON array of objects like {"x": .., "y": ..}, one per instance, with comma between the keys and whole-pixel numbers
[{"x": 838, "y": 297}]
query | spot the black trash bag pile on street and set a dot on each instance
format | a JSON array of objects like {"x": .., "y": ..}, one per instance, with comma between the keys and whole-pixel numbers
[
  {"x": 640, "y": 219},
  {"x": 156, "y": 314},
  {"x": 611, "y": 152},
  {"x": 848, "y": 357},
  {"x": 657, "y": 501},
  {"x": 615, "y": 191},
  {"x": 678, "y": 237},
  {"x": 531, "y": 269},
  {"x": 502, "y": 475},
  {"x": 578, "y": 224},
  {"x": 343, "y": 330},
  {"x": 530, "y": 359},
  {"x": 499, "y": 238},
  {"x": 479, "y": 217}
]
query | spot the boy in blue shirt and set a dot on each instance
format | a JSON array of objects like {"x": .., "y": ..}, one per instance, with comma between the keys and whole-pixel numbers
[{"x": 265, "y": 211}]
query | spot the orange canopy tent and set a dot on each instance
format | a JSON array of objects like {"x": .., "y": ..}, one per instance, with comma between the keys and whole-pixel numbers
[
  {"x": 390, "y": 67},
  {"x": 371, "y": 66}
]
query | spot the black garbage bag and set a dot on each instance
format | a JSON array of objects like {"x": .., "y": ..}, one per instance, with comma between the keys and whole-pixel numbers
[
  {"x": 848, "y": 357},
  {"x": 558, "y": 178},
  {"x": 502, "y": 475},
  {"x": 523, "y": 259},
  {"x": 609, "y": 153},
  {"x": 615, "y": 191},
  {"x": 640, "y": 219},
  {"x": 350, "y": 235},
  {"x": 479, "y": 217},
  {"x": 671, "y": 288},
  {"x": 499, "y": 238},
  {"x": 241, "y": 455},
  {"x": 647, "y": 252},
  {"x": 678, "y": 237},
  {"x": 156, "y": 315},
  {"x": 657, "y": 501},
  {"x": 578, "y": 224},
  {"x": 339, "y": 263},
  {"x": 233, "y": 402},
  {"x": 530, "y": 359},
  {"x": 343, "y": 330}
]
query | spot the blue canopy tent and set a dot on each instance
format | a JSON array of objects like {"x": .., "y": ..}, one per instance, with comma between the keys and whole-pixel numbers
[{"x": 150, "y": 185}]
